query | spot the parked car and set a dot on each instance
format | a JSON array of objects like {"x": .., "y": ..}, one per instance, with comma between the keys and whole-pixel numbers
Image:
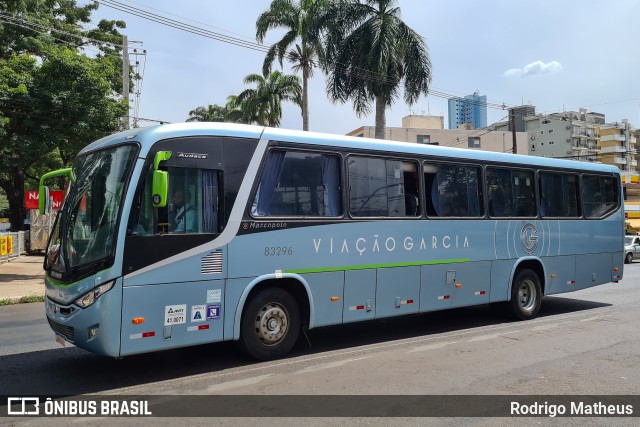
[{"x": 631, "y": 248}]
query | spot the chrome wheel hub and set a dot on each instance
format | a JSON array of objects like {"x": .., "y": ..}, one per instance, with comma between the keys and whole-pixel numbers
[{"x": 272, "y": 323}]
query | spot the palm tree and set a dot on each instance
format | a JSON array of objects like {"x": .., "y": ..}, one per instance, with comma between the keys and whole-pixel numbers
[
  {"x": 263, "y": 104},
  {"x": 238, "y": 112},
  {"x": 372, "y": 55},
  {"x": 304, "y": 22},
  {"x": 212, "y": 113}
]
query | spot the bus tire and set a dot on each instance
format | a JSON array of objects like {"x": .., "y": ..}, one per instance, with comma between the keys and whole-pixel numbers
[
  {"x": 526, "y": 295},
  {"x": 270, "y": 324}
]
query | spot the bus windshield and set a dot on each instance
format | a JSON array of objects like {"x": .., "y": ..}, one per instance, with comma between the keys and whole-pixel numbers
[{"x": 83, "y": 238}]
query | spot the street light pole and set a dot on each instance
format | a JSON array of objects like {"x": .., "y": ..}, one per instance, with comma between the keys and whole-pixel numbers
[{"x": 125, "y": 78}]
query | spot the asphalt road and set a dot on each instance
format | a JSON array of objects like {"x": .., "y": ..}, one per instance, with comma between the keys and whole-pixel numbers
[{"x": 586, "y": 342}]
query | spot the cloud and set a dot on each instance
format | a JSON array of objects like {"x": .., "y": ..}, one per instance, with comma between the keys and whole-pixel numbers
[{"x": 535, "y": 68}]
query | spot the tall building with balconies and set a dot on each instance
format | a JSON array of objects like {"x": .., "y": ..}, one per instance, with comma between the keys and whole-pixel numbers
[
  {"x": 618, "y": 145},
  {"x": 569, "y": 135},
  {"x": 470, "y": 111}
]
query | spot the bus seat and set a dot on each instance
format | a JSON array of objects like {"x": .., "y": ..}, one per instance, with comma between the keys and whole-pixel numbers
[
  {"x": 411, "y": 204},
  {"x": 498, "y": 202},
  {"x": 435, "y": 197}
]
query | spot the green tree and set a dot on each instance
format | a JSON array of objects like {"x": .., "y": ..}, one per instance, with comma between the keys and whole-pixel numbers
[
  {"x": 53, "y": 99},
  {"x": 233, "y": 111},
  {"x": 4, "y": 206},
  {"x": 370, "y": 54},
  {"x": 305, "y": 22},
  {"x": 263, "y": 104},
  {"x": 211, "y": 113},
  {"x": 237, "y": 112}
]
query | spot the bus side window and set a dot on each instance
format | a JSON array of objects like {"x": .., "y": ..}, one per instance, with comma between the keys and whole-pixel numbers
[
  {"x": 383, "y": 187},
  {"x": 500, "y": 193},
  {"x": 600, "y": 195},
  {"x": 411, "y": 189},
  {"x": 453, "y": 190},
  {"x": 431, "y": 189},
  {"x": 558, "y": 195},
  {"x": 301, "y": 184},
  {"x": 511, "y": 193},
  {"x": 524, "y": 196}
]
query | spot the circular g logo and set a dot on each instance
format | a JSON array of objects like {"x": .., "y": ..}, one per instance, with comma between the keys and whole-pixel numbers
[{"x": 529, "y": 237}]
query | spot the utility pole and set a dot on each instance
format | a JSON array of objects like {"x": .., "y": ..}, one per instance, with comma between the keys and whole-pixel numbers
[
  {"x": 125, "y": 78},
  {"x": 512, "y": 121}
]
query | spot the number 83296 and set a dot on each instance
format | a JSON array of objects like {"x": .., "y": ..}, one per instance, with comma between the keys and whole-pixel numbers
[{"x": 278, "y": 250}]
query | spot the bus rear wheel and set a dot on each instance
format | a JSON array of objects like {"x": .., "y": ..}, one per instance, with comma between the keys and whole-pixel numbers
[
  {"x": 526, "y": 295},
  {"x": 270, "y": 324}
]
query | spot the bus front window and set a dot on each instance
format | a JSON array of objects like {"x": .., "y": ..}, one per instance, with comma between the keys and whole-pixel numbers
[{"x": 86, "y": 226}]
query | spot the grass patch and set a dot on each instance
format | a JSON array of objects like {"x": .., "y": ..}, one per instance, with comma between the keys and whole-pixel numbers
[
  {"x": 27, "y": 299},
  {"x": 32, "y": 298}
]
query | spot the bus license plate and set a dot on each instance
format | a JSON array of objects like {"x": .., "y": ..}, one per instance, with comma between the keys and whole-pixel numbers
[{"x": 60, "y": 340}]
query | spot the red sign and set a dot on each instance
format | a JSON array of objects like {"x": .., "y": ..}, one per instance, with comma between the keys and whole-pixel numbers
[{"x": 31, "y": 199}]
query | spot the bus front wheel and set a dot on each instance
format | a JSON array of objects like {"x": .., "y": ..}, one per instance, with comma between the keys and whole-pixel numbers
[
  {"x": 526, "y": 295},
  {"x": 270, "y": 324}
]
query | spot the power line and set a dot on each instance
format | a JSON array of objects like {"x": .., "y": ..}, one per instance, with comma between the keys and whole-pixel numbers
[
  {"x": 29, "y": 24},
  {"x": 193, "y": 20},
  {"x": 183, "y": 26},
  {"x": 173, "y": 23}
]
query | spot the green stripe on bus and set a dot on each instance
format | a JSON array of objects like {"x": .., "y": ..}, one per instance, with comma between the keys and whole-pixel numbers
[{"x": 369, "y": 266}]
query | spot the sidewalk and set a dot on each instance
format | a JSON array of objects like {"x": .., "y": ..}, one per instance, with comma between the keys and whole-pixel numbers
[{"x": 22, "y": 277}]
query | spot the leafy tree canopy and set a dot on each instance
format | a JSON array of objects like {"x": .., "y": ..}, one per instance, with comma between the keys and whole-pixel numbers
[{"x": 58, "y": 87}]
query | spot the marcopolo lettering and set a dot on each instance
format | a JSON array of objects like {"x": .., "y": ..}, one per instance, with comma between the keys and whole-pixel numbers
[{"x": 257, "y": 225}]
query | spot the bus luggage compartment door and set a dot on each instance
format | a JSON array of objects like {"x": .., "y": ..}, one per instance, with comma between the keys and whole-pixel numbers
[
  {"x": 455, "y": 285},
  {"x": 359, "y": 295},
  {"x": 398, "y": 291}
]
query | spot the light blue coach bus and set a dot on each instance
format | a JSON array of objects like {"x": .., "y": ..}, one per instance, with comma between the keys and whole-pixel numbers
[{"x": 194, "y": 233}]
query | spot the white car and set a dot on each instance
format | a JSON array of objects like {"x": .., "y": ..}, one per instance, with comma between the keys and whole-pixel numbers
[{"x": 631, "y": 248}]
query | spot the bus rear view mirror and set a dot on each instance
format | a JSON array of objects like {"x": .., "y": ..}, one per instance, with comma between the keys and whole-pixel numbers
[
  {"x": 43, "y": 191},
  {"x": 44, "y": 204},
  {"x": 160, "y": 188},
  {"x": 160, "y": 184}
]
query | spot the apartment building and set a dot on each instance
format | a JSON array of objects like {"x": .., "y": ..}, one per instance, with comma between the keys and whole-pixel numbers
[
  {"x": 469, "y": 112},
  {"x": 478, "y": 139},
  {"x": 617, "y": 145},
  {"x": 569, "y": 135}
]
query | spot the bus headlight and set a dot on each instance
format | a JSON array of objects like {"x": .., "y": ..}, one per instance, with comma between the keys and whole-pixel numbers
[{"x": 90, "y": 297}]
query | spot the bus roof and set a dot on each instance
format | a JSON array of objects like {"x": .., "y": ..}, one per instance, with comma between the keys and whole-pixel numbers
[{"x": 149, "y": 135}]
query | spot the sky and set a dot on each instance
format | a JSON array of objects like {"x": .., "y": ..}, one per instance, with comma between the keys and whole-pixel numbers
[{"x": 555, "y": 55}]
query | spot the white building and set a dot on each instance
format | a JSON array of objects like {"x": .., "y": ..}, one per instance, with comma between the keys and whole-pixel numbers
[{"x": 430, "y": 130}]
